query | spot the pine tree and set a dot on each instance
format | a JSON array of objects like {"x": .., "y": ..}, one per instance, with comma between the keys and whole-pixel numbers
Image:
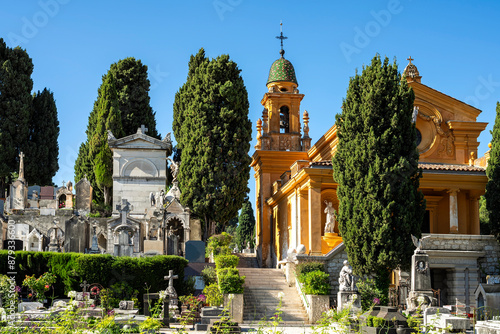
[
  {"x": 16, "y": 68},
  {"x": 492, "y": 194},
  {"x": 42, "y": 148},
  {"x": 132, "y": 86},
  {"x": 246, "y": 225},
  {"x": 108, "y": 119},
  {"x": 212, "y": 129},
  {"x": 376, "y": 168}
]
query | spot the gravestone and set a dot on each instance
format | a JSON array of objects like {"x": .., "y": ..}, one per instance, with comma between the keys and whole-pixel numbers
[
  {"x": 171, "y": 293},
  {"x": 47, "y": 193},
  {"x": 195, "y": 251},
  {"x": 421, "y": 295},
  {"x": 83, "y": 194}
]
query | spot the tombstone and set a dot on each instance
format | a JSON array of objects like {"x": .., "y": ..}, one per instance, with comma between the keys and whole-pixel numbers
[
  {"x": 421, "y": 295},
  {"x": 94, "y": 249},
  {"x": 195, "y": 251},
  {"x": 47, "y": 193},
  {"x": 83, "y": 195},
  {"x": 172, "y": 243},
  {"x": 124, "y": 232},
  {"x": 171, "y": 293},
  {"x": 441, "y": 318},
  {"x": 18, "y": 195}
]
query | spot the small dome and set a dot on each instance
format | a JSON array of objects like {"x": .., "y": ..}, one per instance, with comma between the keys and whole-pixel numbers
[{"x": 282, "y": 70}]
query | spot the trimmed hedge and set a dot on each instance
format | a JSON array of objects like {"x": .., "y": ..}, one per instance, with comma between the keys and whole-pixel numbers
[
  {"x": 226, "y": 261},
  {"x": 315, "y": 283},
  {"x": 143, "y": 274},
  {"x": 307, "y": 267},
  {"x": 230, "y": 282}
]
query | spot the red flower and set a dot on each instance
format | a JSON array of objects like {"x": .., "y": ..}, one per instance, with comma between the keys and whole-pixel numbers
[{"x": 47, "y": 286}]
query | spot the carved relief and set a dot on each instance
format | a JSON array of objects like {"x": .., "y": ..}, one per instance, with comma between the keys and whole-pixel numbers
[
  {"x": 285, "y": 143},
  {"x": 446, "y": 146}
]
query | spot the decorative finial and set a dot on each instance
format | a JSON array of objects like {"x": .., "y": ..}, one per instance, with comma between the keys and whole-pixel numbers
[
  {"x": 281, "y": 37},
  {"x": 410, "y": 59}
]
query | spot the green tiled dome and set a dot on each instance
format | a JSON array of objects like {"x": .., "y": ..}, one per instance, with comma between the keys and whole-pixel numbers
[{"x": 282, "y": 70}]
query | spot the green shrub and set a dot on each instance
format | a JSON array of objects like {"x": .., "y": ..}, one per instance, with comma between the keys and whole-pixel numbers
[
  {"x": 369, "y": 293},
  {"x": 226, "y": 261},
  {"x": 209, "y": 275},
  {"x": 218, "y": 245},
  {"x": 213, "y": 295},
  {"x": 316, "y": 283},
  {"x": 230, "y": 280},
  {"x": 307, "y": 267}
]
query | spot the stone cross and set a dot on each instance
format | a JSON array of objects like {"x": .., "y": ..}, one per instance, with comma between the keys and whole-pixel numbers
[
  {"x": 85, "y": 286},
  {"x": 21, "y": 166},
  {"x": 144, "y": 129},
  {"x": 123, "y": 208},
  {"x": 171, "y": 278}
]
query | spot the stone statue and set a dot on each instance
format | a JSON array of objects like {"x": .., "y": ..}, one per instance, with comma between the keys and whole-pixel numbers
[
  {"x": 330, "y": 218},
  {"x": 414, "y": 115},
  {"x": 174, "y": 169},
  {"x": 35, "y": 195},
  {"x": 152, "y": 198},
  {"x": 346, "y": 279}
]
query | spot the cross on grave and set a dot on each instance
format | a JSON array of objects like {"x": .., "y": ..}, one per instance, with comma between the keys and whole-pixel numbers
[
  {"x": 171, "y": 278},
  {"x": 85, "y": 286},
  {"x": 21, "y": 166},
  {"x": 124, "y": 208},
  {"x": 144, "y": 129}
]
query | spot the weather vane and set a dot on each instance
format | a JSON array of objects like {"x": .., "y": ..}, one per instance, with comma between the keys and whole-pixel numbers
[{"x": 281, "y": 37}]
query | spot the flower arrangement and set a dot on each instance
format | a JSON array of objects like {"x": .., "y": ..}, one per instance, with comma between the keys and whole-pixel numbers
[
  {"x": 95, "y": 291},
  {"x": 72, "y": 295},
  {"x": 40, "y": 285}
]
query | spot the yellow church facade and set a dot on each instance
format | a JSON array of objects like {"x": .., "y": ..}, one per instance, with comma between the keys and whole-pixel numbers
[{"x": 294, "y": 179}]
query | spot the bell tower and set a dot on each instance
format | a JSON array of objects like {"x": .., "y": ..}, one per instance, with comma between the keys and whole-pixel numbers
[
  {"x": 279, "y": 129},
  {"x": 280, "y": 144}
]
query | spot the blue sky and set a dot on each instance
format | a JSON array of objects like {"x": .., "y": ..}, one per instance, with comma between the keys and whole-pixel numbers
[{"x": 73, "y": 43}]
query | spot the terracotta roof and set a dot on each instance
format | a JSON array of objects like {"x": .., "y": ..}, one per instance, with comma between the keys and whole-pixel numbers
[
  {"x": 423, "y": 165},
  {"x": 447, "y": 167}
]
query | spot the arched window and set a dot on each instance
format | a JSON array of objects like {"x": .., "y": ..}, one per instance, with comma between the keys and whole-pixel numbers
[{"x": 284, "y": 120}]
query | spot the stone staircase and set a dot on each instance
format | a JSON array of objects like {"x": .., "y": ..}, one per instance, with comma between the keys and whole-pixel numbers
[{"x": 261, "y": 300}]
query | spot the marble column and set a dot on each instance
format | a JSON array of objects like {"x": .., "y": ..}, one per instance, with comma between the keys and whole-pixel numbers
[{"x": 453, "y": 210}]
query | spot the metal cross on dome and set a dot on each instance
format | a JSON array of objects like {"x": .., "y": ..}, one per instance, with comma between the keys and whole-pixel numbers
[
  {"x": 281, "y": 37},
  {"x": 410, "y": 59}
]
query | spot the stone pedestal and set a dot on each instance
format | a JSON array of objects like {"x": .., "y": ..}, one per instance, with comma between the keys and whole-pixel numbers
[
  {"x": 421, "y": 295},
  {"x": 235, "y": 306},
  {"x": 317, "y": 305},
  {"x": 329, "y": 241},
  {"x": 349, "y": 299}
]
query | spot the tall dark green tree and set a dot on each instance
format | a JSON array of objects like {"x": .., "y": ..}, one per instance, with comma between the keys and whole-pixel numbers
[
  {"x": 492, "y": 194},
  {"x": 213, "y": 132},
  {"x": 132, "y": 89},
  {"x": 132, "y": 86},
  {"x": 376, "y": 168},
  {"x": 42, "y": 149},
  {"x": 246, "y": 225},
  {"x": 16, "y": 68},
  {"x": 108, "y": 119}
]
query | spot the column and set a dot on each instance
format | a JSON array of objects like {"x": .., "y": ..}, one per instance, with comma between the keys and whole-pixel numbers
[
  {"x": 453, "y": 210},
  {"x": 474, "y": 214},
  {"x": 314, "y": 192},
  {"x": 303, "y": 218},
  {"x": 293, "y": 216}
]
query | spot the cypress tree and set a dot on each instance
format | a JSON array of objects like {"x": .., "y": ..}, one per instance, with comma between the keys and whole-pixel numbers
[
  {"x": 43, "y": 150},
  {"x": 108, "y": 118},
  {"x": 246, "y": 225},
  {"x": 492, "y": 194},
  {"x": 16, "y": 68},
  {"x": 376, "y": 168},
  {"x": 132, "y": 86},
  {"x": 212, "y": 129}
]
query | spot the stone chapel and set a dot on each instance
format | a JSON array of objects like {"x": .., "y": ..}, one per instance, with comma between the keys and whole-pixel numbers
[{"x": 295, "y": 185}]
